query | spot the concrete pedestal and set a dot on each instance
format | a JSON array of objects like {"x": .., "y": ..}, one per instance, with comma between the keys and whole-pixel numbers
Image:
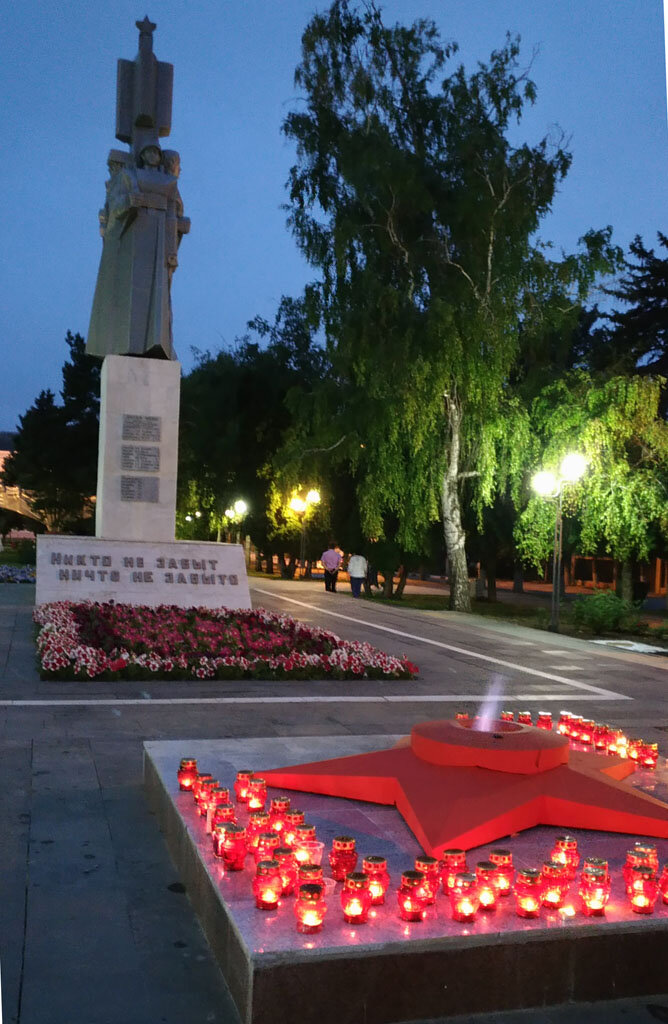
[{"x": 137, "y": 462}]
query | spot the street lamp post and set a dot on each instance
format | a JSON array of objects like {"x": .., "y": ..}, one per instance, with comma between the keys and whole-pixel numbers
[
  {"x": 301, "y": 507},
  {"x": 548, "y": 485}
]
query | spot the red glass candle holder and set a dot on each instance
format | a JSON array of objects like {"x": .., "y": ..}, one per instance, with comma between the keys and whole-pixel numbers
[
  {"x": 310, "y": 908},
  {"x": 587, "y": 731},
  {"x": 287, "y": 864},
  {"x": 462, "y": 716},
  {"x": 223, "y": 813},
  {"x": 379, "y": 879},
  {"x": 464, "y": 900},
  {"x": 564, "y": 723},
  {"x": 505, "y": 872},
  {"x": 544, "y": 720},
  {"x": 618, "y": 743},
  {"x": 649, "y": 755},
  {"x": 524, "y": 717},
  {"x": 258, "y": 821},
  {"x": 244, "y": 775},
  {"x": 591, "y": 864},
  {"x": 257, "y": 793},
  {"x": 663, "y": 883},
  {"x": 641, "y": 855},
  {"x": 267, "y": 842},
  {"x": 310, "y": 874},
  {"x": 206, "y": 789},
  {"x": 565, "y": 851},
  {"x": 485, "y": 873},
  {"x": 601, "y": 737},
  {"x": 634, "y": 748},
  {"x": 187, "y": 773},
  {"x": 292, "y": 818},
  {"x": 555, "y": 884},
  {"x": 304, "y": 835},
  {"x": 644, "y": 890},
  {"x": 507, "y": 716},
  {"x": 197, "y": 785},
  {"x": 528, "y": 892},
  {"x": 267, "y": 885},
  {"x": 211, "y": 799},
  {"x": 277, "y": 811},
  {"x": 594, "y": 891},
  {"x": 355, "y": 897},
  {"x": 342, "y": 857},
  {"x": 431, "y": 869},
  {"x": 231, "y": 845},
  {"x": 452, "y": 863},
  {"x": 412, "y": 904}
]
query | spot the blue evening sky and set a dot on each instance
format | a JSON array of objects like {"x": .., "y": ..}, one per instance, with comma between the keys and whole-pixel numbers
[{"x": 600, "y": 74}]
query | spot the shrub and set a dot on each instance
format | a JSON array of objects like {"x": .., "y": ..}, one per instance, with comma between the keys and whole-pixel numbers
[{"x": 604, "y": 612}]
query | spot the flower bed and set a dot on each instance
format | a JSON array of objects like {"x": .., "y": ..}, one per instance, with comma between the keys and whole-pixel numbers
[
  {"x": 120, "y": 641},
  {"x": 17, "y": 574}
]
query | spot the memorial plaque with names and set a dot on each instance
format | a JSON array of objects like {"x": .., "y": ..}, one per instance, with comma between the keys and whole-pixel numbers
[
  {"x": 139, "y": 488},
  {"x": 144, "y": 459},
  {"x": 141, "y": 428}
]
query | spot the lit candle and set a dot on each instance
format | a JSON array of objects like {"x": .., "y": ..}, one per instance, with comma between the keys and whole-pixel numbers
[
  {"x": 412, "y": 904},
  {"x": 342, "y": 857},
  {"x": 223, "y": 813},
  {"x": 244, "y": 775},
  {"x": 587, "y": 731},
  {"x": 232, "y": 845},
  {"x": 292, "y": 818},
  {"x": 663, "y": 883},
  {"x": 355, "y": 897},
  {"x": 524, "y": 717},
  {"x": 205, "y": 790},
  {"x": 453, "y": 863},
  {"x": 304, "y": 834},
  {"x": 564, "y": 724},
  {"x": 288, "y": 868},
  {"x": 463, "y": 717},
  {"x": 258, "y": 821},
  {"x": 309, "y": 874},
  {"x": 464, "y": 900},
  {"x": 544, "y": 720},
  {"x": 266, "y": 844},
  {"x": 505, "y": 872},
  {"x": 565, "y": 851},
  {"x": 634, "y": 748},
  {"x": 528, "y": 892},
  {"x": 278, "y": 808},
  {"x": 257, "y": 793},
  {"x": 216, "y": 796},
  {"x": 507, "y": 716},
  {"x": 594, "y": 891},
  {"x": 379, "y": 879},
  {"x": 649, "y": 755},
  {"x": 197, "y": 785},
  {"x": 187, "y": 773},
  {"x": 575, "y": 727},
  {"x": 602, "y": 735},
  {"x": 555, "y": 884},
  {"x": 431, "y": 869},
  {"x": 592, "y": 864},
  {"x": 644, "y": 890},
  {"x": 267, "y": 885},
  {"x": 485, "y": 872},
  {"x": 310, "y": 909}
]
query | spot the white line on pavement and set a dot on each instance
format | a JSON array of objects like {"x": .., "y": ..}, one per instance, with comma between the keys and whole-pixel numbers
[
  {"x": 449, "y": 698},
  {"x": 457, "y": 650}
]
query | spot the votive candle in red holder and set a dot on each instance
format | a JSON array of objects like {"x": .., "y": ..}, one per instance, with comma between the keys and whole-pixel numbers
[
  {"x": 244, "y": 775},
  {"x": 635, "y": 746},
  {"x": 355, "y": 897},
  {"x": 205, "y": 790},
  {"x": 310, "y": 908},
  {"x": 591, "y": 864},
  {"x": 292, "y": 818},
  {"x": 644, "y": 890},
  {"x": 649, "y": 755},
  {"x": 528, "y": 892},
  {"x": 601, "y": 736},
  {"x": 304, "y": 834},
  {"x": 544, "y": 720},
  {"x": 232, "y": 845},
  {"x": 464, "y": 900},
  {"x": 587, "y": 731},
  {"x": 223, "y": 813},
  {"x": 308, "y": 874},
  {"x": 453, "y": 863},
  {"x": 197, "y": 785},
  {"x": 565, "y": 851},
  {"x": 431, "y": 869},
  {"x": 524, "y": 717},
  {"x": 267, "y": 885},
  {"x": 187, "y": 773},
  {"x": 486, "y": 875},
  {"x": 379, "y": 879},
  {"x": 277, "y": 811},
  {"x": 258, "y": 821},
  {"x": 412, "y": 904},
  {"x": 266, "y": 844},
  {"x": 507, "y": 716},
  {"x": 555, "y": 884},
  {"x": 257, "y": 793},
  {"x": 211, "y": 799},
  {"x": 564, "y": 723},
  {"x": 285, "y": 858},
  {"x": 462, "y": 716},
  {"x": 663, "y": 883},
  {"x": 502, "y": 860},
  {"x": 618, "y": 743},
  {"x": 342, "y": 857},
  {"x": 594, "y": 891}
]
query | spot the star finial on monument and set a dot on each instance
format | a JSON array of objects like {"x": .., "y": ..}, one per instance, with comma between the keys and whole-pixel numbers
[{"x": 146, "y": 27}]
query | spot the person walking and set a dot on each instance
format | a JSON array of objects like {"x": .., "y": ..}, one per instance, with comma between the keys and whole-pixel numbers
[
  {"x": 357, "y": 568},
  {"x": 331, "y": 560}
]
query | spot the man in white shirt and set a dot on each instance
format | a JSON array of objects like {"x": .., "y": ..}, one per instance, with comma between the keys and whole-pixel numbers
[{"x": 357, "y": 568}]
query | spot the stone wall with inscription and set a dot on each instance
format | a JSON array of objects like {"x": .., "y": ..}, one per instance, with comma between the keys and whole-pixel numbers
[
  {"x": 139, "y": 424},
  {"x": 185, "y": 573}
]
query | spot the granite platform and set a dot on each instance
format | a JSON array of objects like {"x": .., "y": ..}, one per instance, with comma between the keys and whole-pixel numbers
[{"x": 386, "y": 970}]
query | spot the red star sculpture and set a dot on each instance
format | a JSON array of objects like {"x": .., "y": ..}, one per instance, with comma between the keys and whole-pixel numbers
[{"x": 456, "y": 787}]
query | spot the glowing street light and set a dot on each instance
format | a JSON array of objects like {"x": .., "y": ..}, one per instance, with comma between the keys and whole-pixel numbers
[
  {"x": 300, "y": 506},
  {"x": 240, "y": 508},
  {"x": 548, "y": 485}
]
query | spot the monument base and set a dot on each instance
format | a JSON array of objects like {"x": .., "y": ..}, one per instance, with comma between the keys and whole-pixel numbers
[{"x": 184, "y": 573}]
